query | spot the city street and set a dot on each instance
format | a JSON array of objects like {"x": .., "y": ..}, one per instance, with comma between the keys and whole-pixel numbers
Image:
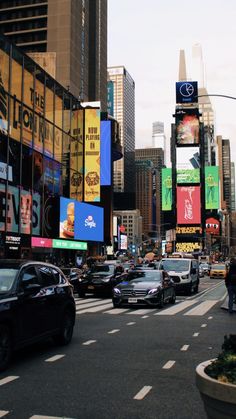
[{"x": 123, "y": 363}]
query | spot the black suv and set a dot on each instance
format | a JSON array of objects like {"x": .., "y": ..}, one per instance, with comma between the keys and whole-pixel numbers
[{"x": 36, "y": 302}]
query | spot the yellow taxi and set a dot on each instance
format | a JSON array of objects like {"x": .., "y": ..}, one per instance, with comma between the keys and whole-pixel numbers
[{"x": 218, "y": 270}]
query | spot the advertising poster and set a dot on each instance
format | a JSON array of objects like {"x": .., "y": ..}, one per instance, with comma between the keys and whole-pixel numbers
[
  {"x": 187, "y": 127},
  {"x": 89, "y": 222},
  {"x": 188, "y": 205},
  {"x": 212, "y": 226},
  {"x": 186, "y": 92},
  {"x": 187, "y": 158},
  {"x": 105, "y": 153},
  {"x": 92, "y": 155},
  {"x": 4, "y": 79},
  {"x": 110, "y": 98},
  {"x": 188, "y": 176},
  {"x": 212, "y": 187},
  {"x": 76, "y": 156},
  {"x": 25, "y": 212},
  {"x": 166, "y": 189},
  {"x": 67, "y": 218}
]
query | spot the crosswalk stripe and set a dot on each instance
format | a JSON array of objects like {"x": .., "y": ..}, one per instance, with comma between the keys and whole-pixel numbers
[
  {"x": 141, "y": 312},
  {"x": 89, "y": 305},
  {"x": 176, "y": 308},
  {"x": 117, "y": 310},
  {"x": 80, "y": 302},
  {"x": 3, "y": 413},
  {"x": 95, "y": 309},
  {"x": 202, "y": 308}
]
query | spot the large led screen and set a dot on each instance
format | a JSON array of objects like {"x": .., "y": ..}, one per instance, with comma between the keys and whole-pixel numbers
[
  {"x": 105, "y": 157},
  {"x": 166, "y": 175},
  {"x": 186, "y": 92},
  {"x": 188, "y": 176},
  {"x": 92, "y": 155},
  {"x": 188, "y": 205},
  {"x": 212, "y": 187},
  {"x": 187, "y": 158},
  {"x": 187, "y": 127},
  {"x": 80, "y": 221}
]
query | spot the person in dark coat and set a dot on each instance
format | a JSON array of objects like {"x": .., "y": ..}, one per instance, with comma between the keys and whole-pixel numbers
[{"x": 230, "y": 282}]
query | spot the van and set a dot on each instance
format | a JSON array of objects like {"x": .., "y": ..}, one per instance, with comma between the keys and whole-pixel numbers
[{"x": 184, "y": 272}]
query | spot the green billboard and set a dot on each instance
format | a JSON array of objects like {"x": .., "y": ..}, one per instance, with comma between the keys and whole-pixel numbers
[
  {"x": 166, "y": 182},
  {"x": 188, "y": 175},
  {"x": 69, "y": 244},
  {"x": 212, "y": 187}
]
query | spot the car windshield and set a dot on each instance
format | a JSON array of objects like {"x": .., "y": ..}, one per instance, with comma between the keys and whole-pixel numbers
[
  {"x": 7, "y": 277},
  {"x": 146, "y": 275},
  {"x": 177, "y": 265},
  {"x": 103, "y": 270},
  {"x": 218, "y": 267}
]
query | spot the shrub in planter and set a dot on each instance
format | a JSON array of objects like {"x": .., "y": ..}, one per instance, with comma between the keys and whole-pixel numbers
[{"x": 224, "y": 367}]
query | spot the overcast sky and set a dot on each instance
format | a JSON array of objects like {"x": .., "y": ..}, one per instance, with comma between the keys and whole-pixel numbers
[{"x": 146, "y": 37}]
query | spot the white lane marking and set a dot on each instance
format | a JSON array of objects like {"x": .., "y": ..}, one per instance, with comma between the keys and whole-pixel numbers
[
  {"x": 117, "y": 311},
  {"x": 90, "y": 305},
  {"x": 184, "y": 348},
  {"x": 210, "y": 317},
  {"x": 95, "y": 309},
  {"x": 201, "y": 308},
  {"x": 79, "y": 302},
  {"x": 145, "y": 317},
  {"x": 111, "y": 332},
  {"x": 204, "y": 325},
  {"x": 142, "y": 311},
  {"x": 130, "y": 323},
  {"x": 176, "y": 309},
  {"x": 224, "y": 296},
  {"x": 142, "y": 393},
  {"x": 195, "y": 335},
  {"x": 47, "y": 417},
  {"x": 168, "y": 365},
  {"x": 89, "y": 342},
  {"x": 8, "y": 379},
  {"x": 54, "y": 358},
  {"x": 3, "y": 413}
]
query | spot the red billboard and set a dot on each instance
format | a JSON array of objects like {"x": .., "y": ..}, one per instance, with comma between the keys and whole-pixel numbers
[{"x": 188, "y": 205}]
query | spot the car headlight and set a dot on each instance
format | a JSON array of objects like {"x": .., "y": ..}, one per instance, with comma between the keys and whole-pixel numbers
[
  {"x": 153, "y": 291},
  {"x": 185, "y": 277},
  {"x": 116, "y": 291},
  {"x": 106, "y": 279}
]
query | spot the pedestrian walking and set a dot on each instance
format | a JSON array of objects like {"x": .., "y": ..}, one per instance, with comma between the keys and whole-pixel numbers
[{"x": 230, "y": 282}]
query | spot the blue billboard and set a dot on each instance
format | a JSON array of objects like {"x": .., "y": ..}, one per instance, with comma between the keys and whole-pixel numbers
[
  {"x": 186, "y": 92},
  {"x": 81, "y": 221},
  {"x": 105, "y": 153}
]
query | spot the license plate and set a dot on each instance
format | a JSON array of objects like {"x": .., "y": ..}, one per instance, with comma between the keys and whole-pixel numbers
[
  {"x": 90, "y": 287},
  {"x": 132, "y": 300}
]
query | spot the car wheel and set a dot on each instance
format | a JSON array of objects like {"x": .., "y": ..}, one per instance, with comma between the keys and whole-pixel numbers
[
  {"x": 162, "y": 301},
  {"x": 116, "y": 305},
  {"x": 5, "y": 347},
  {"x": 67, "y": 325},
  {"x": 173, "y": 299}
]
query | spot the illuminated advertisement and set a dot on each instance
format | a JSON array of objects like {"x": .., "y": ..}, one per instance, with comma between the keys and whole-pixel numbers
[
  {"x": 105, "y": 153},
  {"x": 187, "y": 158},
  {"x": 123, "y": 242},
  {"x": 186, "y": 92},
  {"x": 189, "y": 230},
  {"x": 188, "y": 205},
  {"x": 187, "y": 246},
  {"x": 92, "y": 155},
  {"x": 25, "y": 212},
  {"x": 212, "y": 226},
  {"x": 4, "y": 77},
  {"x": 110, "y": 97},
  {"x": 80, "y": 221},
  {"x": 187, "y": 127},
  {"x": 76, "y": 156},
  {"x": 212, "y": 187},
  {"x": 68, "y": 244},
  {"x": 188, "y": 176},
  {"x": 41, "y": 242},
  {"x": 166, "y": 189}
]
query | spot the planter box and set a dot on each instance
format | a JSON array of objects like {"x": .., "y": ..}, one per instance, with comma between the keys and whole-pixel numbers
[{"x": 219, "y": 398}]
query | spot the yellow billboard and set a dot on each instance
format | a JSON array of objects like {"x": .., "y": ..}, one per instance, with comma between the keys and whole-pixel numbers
[
  {"x": 76, "y": 156},
  {"x": 92, "y": 156}
]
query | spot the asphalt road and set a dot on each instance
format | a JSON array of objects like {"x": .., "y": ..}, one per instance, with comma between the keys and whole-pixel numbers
[{"x": 131, "y": 364}]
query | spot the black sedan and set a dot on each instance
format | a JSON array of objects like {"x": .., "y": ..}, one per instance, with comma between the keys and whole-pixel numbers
[
  {"x": 150, "y": 288},
  {"x": 36, "y": 302},
  {"x": 99, "y": 281}
]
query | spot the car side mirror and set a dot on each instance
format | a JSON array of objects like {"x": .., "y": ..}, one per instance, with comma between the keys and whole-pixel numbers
[{"x": 30, "y": 288}]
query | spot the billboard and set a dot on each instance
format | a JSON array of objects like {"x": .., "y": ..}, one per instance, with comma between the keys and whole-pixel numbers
[
  {"x": 188, "y": 205},
  {"x": 186, "y": 92},
  {"x": 105, "y": 157},
  {"x": 188, "y": 158},
  {"x": 92, "y": 155},
  {"x": 110, "y": 97},
  {"x": 76, "y": 156},
  {"x": 212, "y": 187},
  {"x": 188, "y": 176},
  {"x": 166, "y": 182},
  {"x": 212, "y": 226},
  {"x": 187, "y": 246},
  {"x": 187, "y": 127},
  {"x": 80, "y": 221}
]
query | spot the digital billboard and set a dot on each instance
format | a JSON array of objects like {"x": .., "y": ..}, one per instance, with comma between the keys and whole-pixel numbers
[
  {"x": 188, "y": 205},
  {"x": 212, "y": 226},
  {"x": 188, "y": 176},
  {"x": 212, "y": 187},
  {"x": 166, "y": 176},
  {"x": 105, "y": 157},
  {"x": 92, "y": 156},
  {"x": 81, "y": 221},
  {"x": 187, "y": 127},
  {"x": 187, "y": 158},
  {"x": 110, "y": 97},
  {"x": 186, "y": 92},
  {"x": 187, "y": 246}
]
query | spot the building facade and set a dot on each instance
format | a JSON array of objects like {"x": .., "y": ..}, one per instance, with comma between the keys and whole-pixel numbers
[
  {"x": 67, "y": 38},
  {"x": 124, "y": 113}
]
